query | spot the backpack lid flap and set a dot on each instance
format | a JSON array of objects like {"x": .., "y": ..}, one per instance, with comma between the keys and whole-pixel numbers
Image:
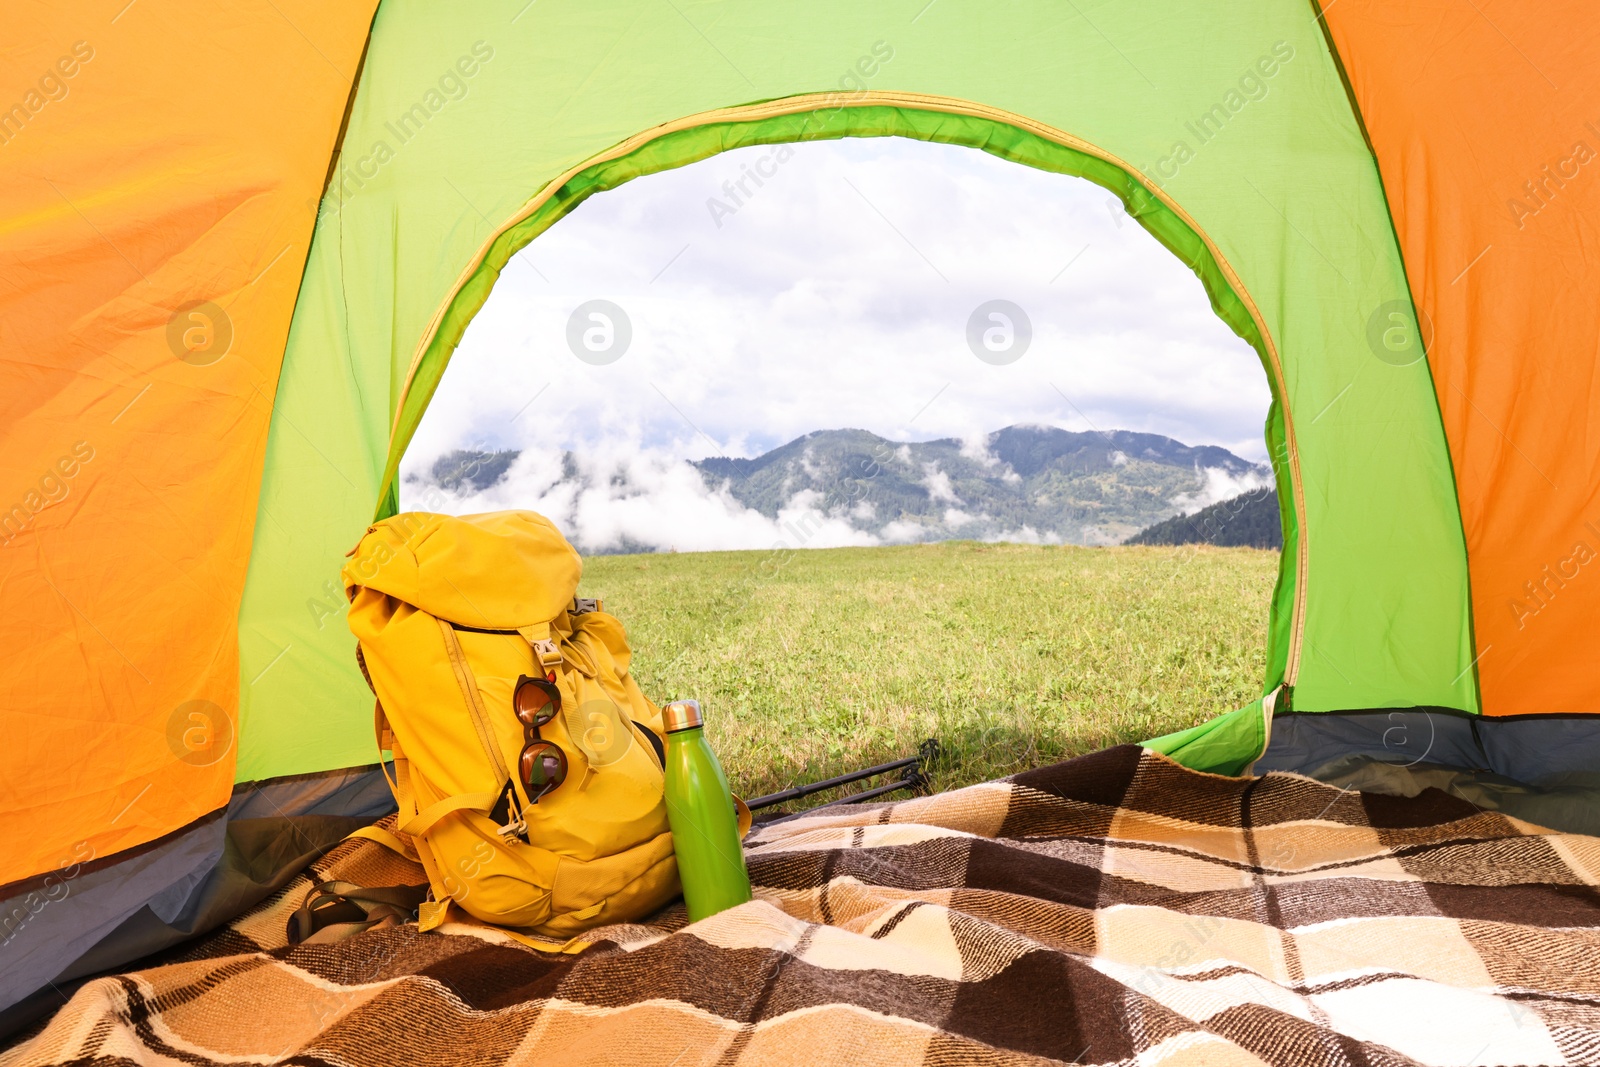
[{"x": 500, "y": 570}]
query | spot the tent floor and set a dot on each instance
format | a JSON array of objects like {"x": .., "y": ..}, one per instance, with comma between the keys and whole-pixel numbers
[{"x": 1541, "y": 769}]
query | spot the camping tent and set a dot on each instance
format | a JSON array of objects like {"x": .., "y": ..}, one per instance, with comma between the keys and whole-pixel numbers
[{"x": 243, "y": 239}]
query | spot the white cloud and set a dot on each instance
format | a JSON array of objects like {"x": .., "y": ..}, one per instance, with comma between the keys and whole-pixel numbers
[
  {"x": 901, "y": 531},
  {"x": 975, "y": 446},
  {"x": 1027, "y": 535},
  {"x": 937, "y": 482},
  {"x": 627, "y": 496},
  {"x": 1218, "y": 486}
]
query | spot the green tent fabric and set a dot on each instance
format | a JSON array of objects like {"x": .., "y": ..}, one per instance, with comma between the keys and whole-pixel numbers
[
  {"x": 473, "y": 130},
  {"x": 1228, "y": 744}
]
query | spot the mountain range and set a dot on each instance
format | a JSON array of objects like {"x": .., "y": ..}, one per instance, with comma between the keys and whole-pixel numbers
[{"x": 1031, "y": 483}]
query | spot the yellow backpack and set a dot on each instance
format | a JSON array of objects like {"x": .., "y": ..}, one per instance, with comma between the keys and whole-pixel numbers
[{"x": 449, "y": 613}]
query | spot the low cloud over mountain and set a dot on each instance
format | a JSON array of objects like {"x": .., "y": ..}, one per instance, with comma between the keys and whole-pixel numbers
[{"x": 850, "y": 487}]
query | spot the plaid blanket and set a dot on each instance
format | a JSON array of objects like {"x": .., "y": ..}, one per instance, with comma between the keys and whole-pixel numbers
[{"x": 1111, "y": 909}]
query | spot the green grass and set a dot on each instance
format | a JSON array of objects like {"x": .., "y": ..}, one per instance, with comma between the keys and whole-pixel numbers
[{"x": 813, "y": 663}]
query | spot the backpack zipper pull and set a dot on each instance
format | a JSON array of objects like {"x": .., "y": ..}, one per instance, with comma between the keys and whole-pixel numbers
[{"x": 515, "y": 826}]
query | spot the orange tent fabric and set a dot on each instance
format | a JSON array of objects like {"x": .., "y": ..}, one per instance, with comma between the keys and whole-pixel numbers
[
  {"x": 1485, "y": 118},
  {"x": 162, "y": 164}
]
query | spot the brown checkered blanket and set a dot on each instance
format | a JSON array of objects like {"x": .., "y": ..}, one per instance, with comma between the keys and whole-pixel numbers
[{"x": 1112, "y": 909}]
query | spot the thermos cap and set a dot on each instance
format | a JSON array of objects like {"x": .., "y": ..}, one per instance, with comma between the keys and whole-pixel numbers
[{"x": 682, "y": 715}]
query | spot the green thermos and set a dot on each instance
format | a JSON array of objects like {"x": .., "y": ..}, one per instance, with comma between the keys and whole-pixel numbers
[{"x": 705, "y": 827}]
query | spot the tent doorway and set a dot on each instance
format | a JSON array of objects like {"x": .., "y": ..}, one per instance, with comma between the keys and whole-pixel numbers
[
  {"x": 834, "y": 116},
  {"x": 830, "y": 306}
]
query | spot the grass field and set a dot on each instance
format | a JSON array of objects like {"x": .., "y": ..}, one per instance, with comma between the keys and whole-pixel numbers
[{"x": 812, "y": 663}]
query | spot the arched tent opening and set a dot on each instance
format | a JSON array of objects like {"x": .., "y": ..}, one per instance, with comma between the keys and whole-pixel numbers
[
  {"x": 822, "y": 117},
  {"x": 179, "y": 515},
  {"x": 825, "y": 322}
]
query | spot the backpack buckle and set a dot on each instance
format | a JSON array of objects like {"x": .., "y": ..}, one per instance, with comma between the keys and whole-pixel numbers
[{"x": 548, "y": 654}]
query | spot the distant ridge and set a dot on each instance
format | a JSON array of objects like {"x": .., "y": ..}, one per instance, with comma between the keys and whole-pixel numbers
[{"x": 1249, "y": 520}]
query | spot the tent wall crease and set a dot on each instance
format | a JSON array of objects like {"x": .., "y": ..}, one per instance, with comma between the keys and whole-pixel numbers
[
  {"x": 465, "y": 114},
  {"x": 1486, "y": 122},
  {"x": 152, "y": 157}
]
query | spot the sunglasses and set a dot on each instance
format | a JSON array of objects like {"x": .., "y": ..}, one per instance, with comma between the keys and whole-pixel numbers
[{"x": 542, "y": 765}]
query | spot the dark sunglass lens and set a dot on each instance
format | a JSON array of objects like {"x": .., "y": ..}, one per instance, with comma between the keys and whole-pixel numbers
[
  {"x": 542, "y": 767},
  {"x": 534, "y": 702}
]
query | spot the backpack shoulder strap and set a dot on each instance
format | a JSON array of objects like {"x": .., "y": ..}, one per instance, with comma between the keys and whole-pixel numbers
[
  {"x": 333, "y": 911},
  {"x": 391, "y": 841},
  {"x": 423, "y": 821}
]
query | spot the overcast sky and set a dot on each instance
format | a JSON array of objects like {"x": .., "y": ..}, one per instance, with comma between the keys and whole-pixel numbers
[{"x": 837, "y": 293}]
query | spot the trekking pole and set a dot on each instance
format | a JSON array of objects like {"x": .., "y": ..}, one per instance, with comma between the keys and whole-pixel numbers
[
  {"x": 913, "y": 780},
  {"x": 927, "y": 751}
]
